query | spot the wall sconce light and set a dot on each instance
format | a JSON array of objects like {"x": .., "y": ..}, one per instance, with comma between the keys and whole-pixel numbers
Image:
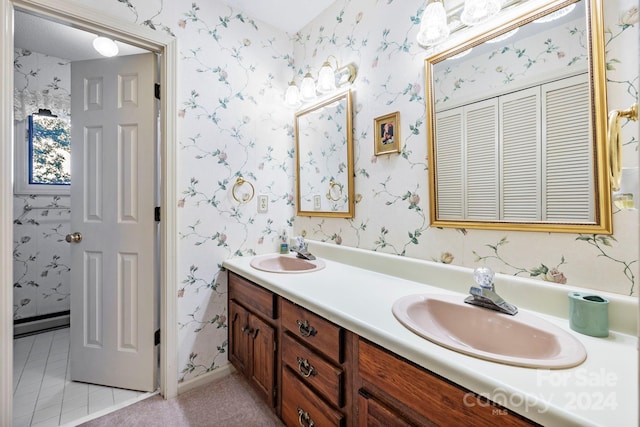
[
  {"x": 308, "y": 88},
  {"x": 435, "y": 27},
  {"x": 329, "y": 79},
  {"x": 292, "y": 96},
  {"x": 105, "y": 47},
  {"x": 478, "y": 11}
]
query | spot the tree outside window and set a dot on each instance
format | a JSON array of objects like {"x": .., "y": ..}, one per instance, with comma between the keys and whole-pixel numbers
[{"x": 49, "y": 150}]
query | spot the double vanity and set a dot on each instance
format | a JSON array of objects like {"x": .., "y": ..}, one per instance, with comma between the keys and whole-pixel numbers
[{"x": 356, "y": 337}]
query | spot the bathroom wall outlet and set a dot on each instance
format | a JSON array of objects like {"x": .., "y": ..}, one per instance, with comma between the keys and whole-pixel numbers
[
  {"x": 263, "y": 203},
  {"x": 317, "y": 202}
]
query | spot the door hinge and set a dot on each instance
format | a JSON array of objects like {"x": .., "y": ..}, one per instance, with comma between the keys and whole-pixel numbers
[
  {"x": 275, "y": 346},
  {"x": 156, "y": 213},
  {"x": 156, "y": 337},
  {"x": 156, "y": 90}
]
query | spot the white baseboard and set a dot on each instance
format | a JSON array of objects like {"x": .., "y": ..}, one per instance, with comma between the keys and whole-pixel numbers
[
  {"x": 41, "y": 325},
  {"x": 207, "y": 378}
]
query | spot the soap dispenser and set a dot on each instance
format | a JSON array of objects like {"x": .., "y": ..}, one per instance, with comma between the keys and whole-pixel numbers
[{"x": 284, "y": 240}]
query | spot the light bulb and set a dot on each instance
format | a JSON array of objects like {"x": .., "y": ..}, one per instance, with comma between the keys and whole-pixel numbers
[
  {"x": 478, "y": 11},
  {"x": 292, "y": 96},
  {"x": 433, "y": 25},
  {"x": 326, "y": 79},
  {"x": 308, "y": 88}
]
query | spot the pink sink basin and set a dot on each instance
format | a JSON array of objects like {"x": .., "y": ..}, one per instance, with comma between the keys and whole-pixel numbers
[
  {"x": 521, "y": 340},
  {"x": 276, "y": 263}
]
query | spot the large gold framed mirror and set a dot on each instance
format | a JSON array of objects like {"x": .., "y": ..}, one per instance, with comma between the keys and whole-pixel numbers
[
  {"x": 517, "y": 125},
  {"x": 324, "y": 158}
]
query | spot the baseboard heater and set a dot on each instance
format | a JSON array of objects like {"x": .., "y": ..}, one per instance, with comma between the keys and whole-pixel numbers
[{"x": 42, "y": 323}]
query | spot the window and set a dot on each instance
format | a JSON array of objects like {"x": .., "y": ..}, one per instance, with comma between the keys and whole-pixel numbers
[{"x": 43, "y": 155}]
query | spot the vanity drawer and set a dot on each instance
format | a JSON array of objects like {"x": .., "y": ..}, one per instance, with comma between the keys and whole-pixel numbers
[
  {"x": 313, "y": 370},
  {"x": 302, "y": 407},
  {"x": 252, "y": 296},
  {"x": 313, "y": 330}
]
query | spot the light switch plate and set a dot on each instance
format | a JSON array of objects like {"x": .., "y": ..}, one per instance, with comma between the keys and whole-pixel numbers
[
  {"x": 317, "y": 202},
  {"x": 263, "y": 203}
]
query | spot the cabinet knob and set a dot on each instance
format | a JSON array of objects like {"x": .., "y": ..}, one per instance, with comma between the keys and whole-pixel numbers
[
  {"x": 305, "y": 329},
  {"x": 304, "y": 419},
  {"x": 305, "y": 368}
]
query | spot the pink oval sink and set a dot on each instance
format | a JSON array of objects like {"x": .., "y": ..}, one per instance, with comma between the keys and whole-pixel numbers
[
  {"x": 521, "y": 340},
  {"x": 276, "y": 263}
]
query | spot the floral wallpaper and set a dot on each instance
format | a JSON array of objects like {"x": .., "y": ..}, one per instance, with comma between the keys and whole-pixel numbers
[
  {"x": 232, "y": 74},
  {"x": 41, "y": 257},
  {"x": 392, "y": 215},
  {"x": 40, "y": 81}
]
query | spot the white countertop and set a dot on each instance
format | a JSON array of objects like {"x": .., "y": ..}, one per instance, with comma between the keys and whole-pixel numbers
[{"x": 602, "y": 391}]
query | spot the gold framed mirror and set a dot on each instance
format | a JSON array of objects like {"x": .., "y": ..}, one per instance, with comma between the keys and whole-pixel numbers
[
  {"x": 324, "y": 158},
  {"x": 517, "y": 125}
]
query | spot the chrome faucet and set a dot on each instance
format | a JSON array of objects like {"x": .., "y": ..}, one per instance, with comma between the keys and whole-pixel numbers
[
  {"x": 484, "y": 295},
  {"x": 301, "y": 249}
]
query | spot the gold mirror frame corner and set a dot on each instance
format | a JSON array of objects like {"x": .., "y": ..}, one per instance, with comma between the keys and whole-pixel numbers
[
  {"x": 350, "y": 213},
  {"x": 603, "y": 223}
]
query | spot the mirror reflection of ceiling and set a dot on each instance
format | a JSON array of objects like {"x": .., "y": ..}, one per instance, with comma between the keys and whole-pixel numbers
[
  {"x": 523, "y": 32},
  {"x": 58, "y": 40}
]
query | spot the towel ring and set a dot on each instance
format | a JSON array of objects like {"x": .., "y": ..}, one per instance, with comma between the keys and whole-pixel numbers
[
  {"x": 615, "y": 145},
  {"x": 246, "y": 197},
  {"x": 332, "y": 185}
]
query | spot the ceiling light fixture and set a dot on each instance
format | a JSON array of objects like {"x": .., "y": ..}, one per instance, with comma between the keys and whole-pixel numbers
[
  {"x": 433, "y": 25},
  {"x": 105, "y": 46}
]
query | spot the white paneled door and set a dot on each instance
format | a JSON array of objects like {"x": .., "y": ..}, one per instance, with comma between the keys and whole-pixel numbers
[{"x": 112, "y": 222}]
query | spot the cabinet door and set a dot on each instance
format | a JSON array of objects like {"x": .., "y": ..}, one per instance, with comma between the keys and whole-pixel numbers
[
  {"x": 239, "y": 337},
  {"x": 372, "y": 413},
  {"x": 263, "y": 346}
]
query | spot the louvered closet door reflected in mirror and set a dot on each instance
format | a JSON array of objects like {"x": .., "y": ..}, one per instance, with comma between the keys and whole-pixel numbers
[{"x": 499, "y": 161}]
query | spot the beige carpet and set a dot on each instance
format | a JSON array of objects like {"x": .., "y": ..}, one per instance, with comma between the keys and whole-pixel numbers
[{"x": 228, "y": 402}]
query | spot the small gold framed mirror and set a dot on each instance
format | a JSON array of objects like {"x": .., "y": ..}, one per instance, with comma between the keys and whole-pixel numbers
[
  {"x": 517, "y": 124},
  {"x": 324, "y": 158}
]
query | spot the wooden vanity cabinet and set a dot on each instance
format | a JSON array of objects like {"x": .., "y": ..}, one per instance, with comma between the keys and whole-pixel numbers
[
  {"x": 253, "y": 335},
  {"x": 315, "y": 373},
  {"x": 396, "y": 392},
  {"x": 316, "y": 369}
]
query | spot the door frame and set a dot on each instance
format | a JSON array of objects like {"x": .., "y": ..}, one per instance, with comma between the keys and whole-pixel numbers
[{"x": 78, "y": 15}]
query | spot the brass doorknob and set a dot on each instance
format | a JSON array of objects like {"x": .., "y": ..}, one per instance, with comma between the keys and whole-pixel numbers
[{"x": 73, "y": 237}]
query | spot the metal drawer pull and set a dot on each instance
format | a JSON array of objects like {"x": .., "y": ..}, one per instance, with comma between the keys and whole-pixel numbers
[
  {"x": 304, "y": 419},
  {"x": 247, "y": 330},
  {"x": 305, "y": 368},
  {"x": 305, "y": 329}
]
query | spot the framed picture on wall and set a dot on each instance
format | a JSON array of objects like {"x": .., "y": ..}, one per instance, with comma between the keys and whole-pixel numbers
[{"x": 387, "y": 134}]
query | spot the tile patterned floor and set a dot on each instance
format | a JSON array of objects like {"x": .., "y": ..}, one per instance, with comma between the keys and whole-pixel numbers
[{"x": 43, "y": 394}]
